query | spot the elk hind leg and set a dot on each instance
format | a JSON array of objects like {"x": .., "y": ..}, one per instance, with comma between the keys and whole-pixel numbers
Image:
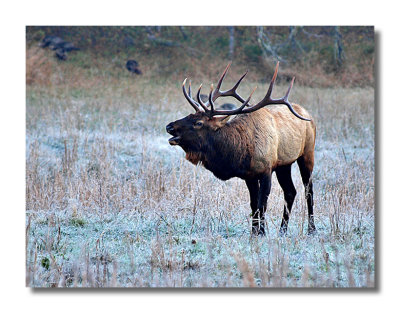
[
  {"x": 284, "y": 176},
  {"x": 306, "y": 165}
]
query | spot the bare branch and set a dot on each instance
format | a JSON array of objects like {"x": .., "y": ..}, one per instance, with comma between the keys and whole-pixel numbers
[
  {"x": 318, "y": 36},
  {"x": 266, "y": 45}
]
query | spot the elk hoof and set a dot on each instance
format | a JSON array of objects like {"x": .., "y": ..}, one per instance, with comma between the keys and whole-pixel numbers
[
  {"x": 283, "y": 232},
  {"x": 311, "y": 230},
  {"x": 258, "y": 231}
]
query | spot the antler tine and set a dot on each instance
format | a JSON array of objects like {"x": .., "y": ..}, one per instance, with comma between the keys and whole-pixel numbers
[
  {"x": 247, "y": 101},
  {"x": 223, "y": 76},
  {"x": 203, "y": 105},
  {"x": 239, "y": 81},
  {"x": 193, "y": 103},
  {"x": 271, "y": 85},
  {"x": 210, "y": 98},
  {"x": 286, "y": 97},
  {"x": 295, "y": 113}
]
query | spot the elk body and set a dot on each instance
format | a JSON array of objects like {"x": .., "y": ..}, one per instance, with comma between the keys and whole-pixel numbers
[{"x": 259, "y": 140}]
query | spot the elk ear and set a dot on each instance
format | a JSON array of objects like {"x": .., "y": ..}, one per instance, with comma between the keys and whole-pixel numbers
[{"x": 219, "y": 122}]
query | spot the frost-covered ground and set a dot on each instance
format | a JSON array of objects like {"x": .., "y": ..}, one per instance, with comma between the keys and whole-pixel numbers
[{"x": 109, "y": 203}]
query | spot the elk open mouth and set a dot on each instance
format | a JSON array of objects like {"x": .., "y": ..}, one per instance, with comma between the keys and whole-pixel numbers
[{"x": 174, "y": 140}]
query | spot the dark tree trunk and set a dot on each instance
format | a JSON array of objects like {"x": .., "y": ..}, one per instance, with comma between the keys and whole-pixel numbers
[
  {"x": 231, "y": 41},
  {"x": 338, "y": 48}
]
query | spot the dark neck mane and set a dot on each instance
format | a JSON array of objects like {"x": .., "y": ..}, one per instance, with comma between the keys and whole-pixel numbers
[
  {"x": 195, "y": 157},
  {"x": 227, "y": 152}
]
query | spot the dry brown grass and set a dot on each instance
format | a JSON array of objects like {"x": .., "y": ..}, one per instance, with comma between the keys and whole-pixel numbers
[
  {"x": 39, "y": 67},
  {"x": 111, "y": 204}
]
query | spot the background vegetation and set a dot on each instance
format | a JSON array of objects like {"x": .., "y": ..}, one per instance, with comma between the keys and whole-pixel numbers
[
  {"x": 109, "y": 203},
  {"x": 317, "y": 56}
]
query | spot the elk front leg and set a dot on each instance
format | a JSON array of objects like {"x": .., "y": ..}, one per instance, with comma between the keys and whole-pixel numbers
[
  {"x": 259, "y": 214},
  {"x": 254, "y": 186}
]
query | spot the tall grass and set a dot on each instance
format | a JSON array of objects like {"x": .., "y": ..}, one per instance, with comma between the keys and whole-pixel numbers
[{"x": 110, "y": 204}]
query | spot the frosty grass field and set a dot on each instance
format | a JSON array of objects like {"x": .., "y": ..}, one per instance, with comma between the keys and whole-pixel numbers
[{"x": 110, "y": 204}]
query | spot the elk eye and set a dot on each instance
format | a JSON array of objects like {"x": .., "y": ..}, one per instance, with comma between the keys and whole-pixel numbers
[{"x": 198, "y": 124}]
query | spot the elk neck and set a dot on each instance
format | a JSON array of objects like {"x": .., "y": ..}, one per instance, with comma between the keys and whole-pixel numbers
[{"x": 228, "y": 151}]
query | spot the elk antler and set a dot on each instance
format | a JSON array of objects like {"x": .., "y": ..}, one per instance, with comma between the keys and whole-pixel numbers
[
  {"x": 193, "y": 103},
  {"x": 231, "y": 92},
  {"x": 214, "y": 94}
]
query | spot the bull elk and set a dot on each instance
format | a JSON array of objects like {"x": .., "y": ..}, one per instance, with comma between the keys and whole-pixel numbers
[{"x": 259, "y": 140}]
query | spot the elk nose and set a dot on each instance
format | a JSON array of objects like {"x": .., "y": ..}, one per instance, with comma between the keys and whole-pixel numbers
[{"x": 169, "y": 128}]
